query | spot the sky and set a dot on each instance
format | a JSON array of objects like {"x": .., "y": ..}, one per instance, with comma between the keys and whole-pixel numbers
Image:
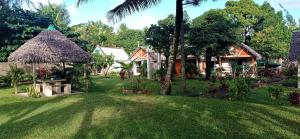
[{"x": 96, "y": 10}]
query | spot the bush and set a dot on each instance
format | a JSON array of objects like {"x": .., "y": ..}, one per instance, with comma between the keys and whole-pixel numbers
[
  {"x": 294, "y": 98},
  {"x": 135, "y": 84},
  {"x": 159, "y": 74},
  {"x": 238, "y": 88},
  {"x": 4, "y": 81},
  {"x": 191, "y": 70},
  {"x": 290, "y": 69},
  {"x": 32, "y": 92},
  {"x": 15, "y": 75},
  {"x": 275, "y": 91},
  {"x": 290, "y": 83}
]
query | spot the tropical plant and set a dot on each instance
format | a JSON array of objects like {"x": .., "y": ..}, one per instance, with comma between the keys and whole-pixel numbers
[
  {"x": 275, "y": 91},
  {"x": 58, "y": 13},
  {"x": 31, "y": 90},
  {"x": 109, "y": 59},
  {"x": 15, "y": 75},
  {"x": 238, "y": 88},
  {"x": 127, "y": 67}
]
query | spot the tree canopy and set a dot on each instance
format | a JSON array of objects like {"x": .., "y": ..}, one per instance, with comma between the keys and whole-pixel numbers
[
  {"x": 17, "y": 26},
  {"x": 129, "y": 39},
  {"x": 213, "y": 33},
  {"x": 58, "y": 13}
]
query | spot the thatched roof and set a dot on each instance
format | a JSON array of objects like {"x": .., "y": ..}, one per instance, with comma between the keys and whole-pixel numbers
[
  {"x": 295, "y": 47},
  {"x": 252, "y": 52},
  {"x": 49, "y": 46}
]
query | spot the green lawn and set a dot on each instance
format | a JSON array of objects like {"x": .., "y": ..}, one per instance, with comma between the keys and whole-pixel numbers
[{"x": 104, "y": 112}]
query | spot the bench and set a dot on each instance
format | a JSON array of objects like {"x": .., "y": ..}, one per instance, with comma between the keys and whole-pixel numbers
[{"x": 49, "y": 89}]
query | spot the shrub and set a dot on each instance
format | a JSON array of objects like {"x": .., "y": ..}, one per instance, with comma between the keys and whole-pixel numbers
[
  {"x": 294, "y": 98},
  {"x": 32, "y": 92},
  {"x": 15, "y": 75},
  {"x": 289, "y": 83},
  {"x": 135, "y": 84},
  {"x": 159, "y": 74},
  {"x": 238, "y": 88},
  {"x": 275, "y": 91},
  {"x": 191, "y": 69},
  {"x": 290, "y": 69},
  {"x": 4, "y": 81}
]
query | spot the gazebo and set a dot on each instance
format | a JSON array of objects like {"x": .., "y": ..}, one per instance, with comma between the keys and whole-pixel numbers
[
  {"x": 295, "y": 51},
  {"x": 49, "y": 46}
]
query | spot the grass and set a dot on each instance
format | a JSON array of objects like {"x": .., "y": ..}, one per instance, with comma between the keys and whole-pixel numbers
[{"x": 104, "y": 112}]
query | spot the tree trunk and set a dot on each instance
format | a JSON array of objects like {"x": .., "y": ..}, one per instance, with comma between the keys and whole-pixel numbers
[
  {"x": 167, "y": 61},
  {"x": 208, "y": 63},
  {"x": 106, "y": 71},
  {"x": 182, "y": 53},
  {"x": 166, "y": 85},
  {"x": 298, "y": 64},
  {"x": 64, "y": 70},
  {"x": 16, "y": 88},
  {"x": 159, "y": 60}
]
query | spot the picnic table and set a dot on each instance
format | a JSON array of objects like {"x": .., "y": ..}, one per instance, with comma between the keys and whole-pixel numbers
[{"x": 51, "y": 87}]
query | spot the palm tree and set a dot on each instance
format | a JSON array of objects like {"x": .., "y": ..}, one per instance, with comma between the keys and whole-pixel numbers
[{"x": 131, "y": 6}]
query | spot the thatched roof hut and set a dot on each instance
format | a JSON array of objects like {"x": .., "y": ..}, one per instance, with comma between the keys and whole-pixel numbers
[
  {"x": 49, "y": 46},
  {"x": 295, "y": 47}
]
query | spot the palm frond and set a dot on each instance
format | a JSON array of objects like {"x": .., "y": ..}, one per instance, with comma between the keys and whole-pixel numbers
[
  {"x": 80, "y": 2},
  {"x": 128, "y": 7}
]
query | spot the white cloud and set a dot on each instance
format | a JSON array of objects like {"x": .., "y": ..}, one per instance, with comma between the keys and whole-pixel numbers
[
  {"x": 46, "y": 1},
  {"x": 289, "y": 4},
  {"x": 72, "y": 9},
  {"x": 140, "y": 22}
]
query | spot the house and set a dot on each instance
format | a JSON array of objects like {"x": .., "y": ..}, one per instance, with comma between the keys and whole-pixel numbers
[
  {"x": 119, "y": 55},
  {"x": 140, "y": 57},
  {"x": 241, "y": 55},
  {"x": 295, "y": 51},
  {"x": 238, "y": 54}
]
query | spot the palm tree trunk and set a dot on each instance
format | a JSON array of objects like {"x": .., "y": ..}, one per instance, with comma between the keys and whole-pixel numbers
[
  {"x": 166, "y": 85},
  {"x": 182, "y": 53},
  {"x": 208, "y": 63}
]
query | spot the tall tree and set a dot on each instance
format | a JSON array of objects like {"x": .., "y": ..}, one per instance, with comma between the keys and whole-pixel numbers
[
  {"x": 17, "y": 26},
  {"x": 213, "y": 33},
  {"x": 247, "y": 14},
  {"x": 95, "y": 33},
  {"x": 58, "y": 13},
  {"x": 129, "y": 39},
  {"x": 273, "y": 40}
]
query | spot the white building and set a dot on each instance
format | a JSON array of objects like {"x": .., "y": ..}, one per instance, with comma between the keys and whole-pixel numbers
[{"x": 119, "y": 55}]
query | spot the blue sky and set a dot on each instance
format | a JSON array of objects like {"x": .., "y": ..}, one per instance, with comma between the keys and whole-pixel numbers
[{"x": 97, "y": 9}]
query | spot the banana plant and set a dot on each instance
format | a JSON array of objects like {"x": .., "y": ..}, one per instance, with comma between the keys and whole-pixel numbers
[{"x": 15, "y": 75}]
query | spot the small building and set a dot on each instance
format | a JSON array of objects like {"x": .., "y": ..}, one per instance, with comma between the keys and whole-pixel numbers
[
  {"x": 242, "y": 55},
  {"x": 140, "y": 55},
  {"x": 119, "y": 55}
]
